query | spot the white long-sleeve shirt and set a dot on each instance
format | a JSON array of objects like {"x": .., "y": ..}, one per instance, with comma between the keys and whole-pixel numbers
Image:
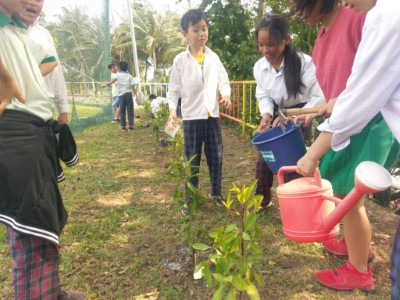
[
  {"x": 54, "y": 81},
  {"x": 271, "y": 85},
  {"x": 374, "y": 84},
  {"x": 197, "y": 85}
]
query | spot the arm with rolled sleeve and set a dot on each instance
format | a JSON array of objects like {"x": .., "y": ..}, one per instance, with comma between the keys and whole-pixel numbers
[
  {"x": 374, "y": 80},
  {"x": 174, "y": 87},
  {"x": 265, "y": 102},
  {"x": 224, "y": 86},
  {"x": 55, "y": 81}
]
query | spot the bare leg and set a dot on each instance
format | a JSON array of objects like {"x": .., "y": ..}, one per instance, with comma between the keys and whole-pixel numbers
[
  {"x": 117, "y": 113},
  {"x": 357, "y": 232}
]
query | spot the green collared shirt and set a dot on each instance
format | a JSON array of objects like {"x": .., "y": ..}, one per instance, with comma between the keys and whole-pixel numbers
[
  {"x": 21, "y": 58},
  {"x": 5, "y": 20}
]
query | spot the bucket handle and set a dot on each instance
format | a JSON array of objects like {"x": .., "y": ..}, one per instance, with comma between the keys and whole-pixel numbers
[{"x": 285, "y": 169}]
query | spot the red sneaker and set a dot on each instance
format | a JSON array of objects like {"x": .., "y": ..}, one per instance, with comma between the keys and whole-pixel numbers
[
  {"x": 339, "y": 248},
  {"x": 347, "y": 277}
]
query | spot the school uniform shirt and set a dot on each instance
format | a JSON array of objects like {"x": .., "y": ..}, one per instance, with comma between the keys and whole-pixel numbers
[
  {"x": 16, "y": 52},
  {"x": 125, "y": 82},
  {"x": 114, "y": 86},
  {"x": 197, "y": 85},
  {"x": 271, "y": 85},
  {"x": 54, "y": 81},
  {"x": 156, "y": 103},
  {"x": 374, "y": 84}
]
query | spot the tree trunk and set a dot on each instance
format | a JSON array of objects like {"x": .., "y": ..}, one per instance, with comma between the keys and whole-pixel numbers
[{"x": 260, "y": 11}]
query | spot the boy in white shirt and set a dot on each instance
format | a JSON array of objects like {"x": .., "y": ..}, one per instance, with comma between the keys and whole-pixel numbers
[{"x": 197, "y": 76}]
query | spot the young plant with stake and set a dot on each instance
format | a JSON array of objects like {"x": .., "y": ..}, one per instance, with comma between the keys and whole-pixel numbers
[{"x": 230, "y": 266}]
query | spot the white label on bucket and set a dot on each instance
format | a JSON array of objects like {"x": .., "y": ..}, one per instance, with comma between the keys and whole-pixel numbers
[{"x": 268, "y": 156}]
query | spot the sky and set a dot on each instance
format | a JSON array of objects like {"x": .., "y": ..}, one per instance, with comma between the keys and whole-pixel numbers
[{"x": 118, "y": 7}]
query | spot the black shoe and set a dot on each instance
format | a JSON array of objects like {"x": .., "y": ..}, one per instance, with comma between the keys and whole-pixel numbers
[
  {"x": 115, "y": 121},
  {"x": 218, "y": 199},
  {"x": 130, "y": 128},
  {"x": 185, "y": 209},
  {"x": 123, "y": 129},
  {"x": 264, "y": 208}
]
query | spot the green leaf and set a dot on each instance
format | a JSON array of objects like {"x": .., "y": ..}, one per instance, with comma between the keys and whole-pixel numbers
[
  {"x": 218, "y": 277},
  {"x": 251, "y": 220},
  {"x": 253, "y": 292},
  {"x": 246, "y": 236},
  {"x": 219, "y": 293},
  {"x": 230, "y": 228},
  {"x": 231, "y": 295},
  {"x": 239, "y": 283},
  {"x": 258, "y": 278},
  {"x": 207, "y": 275},
  {"x": 200, "y": 246}
]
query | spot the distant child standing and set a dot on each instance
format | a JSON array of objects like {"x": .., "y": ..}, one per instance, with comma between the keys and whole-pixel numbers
[
  {"x": 197, "y": 77},
  {"x": 126, "y": 87},
  {"x": 114, "y": 92}
]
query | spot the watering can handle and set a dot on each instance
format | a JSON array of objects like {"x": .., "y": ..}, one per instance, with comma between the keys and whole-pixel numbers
[{"x": 285, "y": 169}]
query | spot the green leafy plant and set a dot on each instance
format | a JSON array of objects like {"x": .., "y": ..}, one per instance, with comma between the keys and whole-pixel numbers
[
  {"x": 181, "y": 170},
  {"x": 158, "y": 122},
  {"x": 230, "y": 266}
]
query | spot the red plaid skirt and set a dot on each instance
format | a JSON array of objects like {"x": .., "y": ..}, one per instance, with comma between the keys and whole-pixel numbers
[{"x": 35, "y": 266}]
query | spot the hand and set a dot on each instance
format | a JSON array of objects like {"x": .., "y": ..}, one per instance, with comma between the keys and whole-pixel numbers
[
  {"x": 306, "y": 119},
  {"x": 306, "y": 165},
  {"x": 226, "y": 102},
  {"x": 265, "y": 122},
  {"x": 172, "y": 116},
  {"x": 8, "y": 89},
  {"x": 327, "y": 109},
  {"x": 63, "y": 118},
  {"x": 104, "y": 85}
]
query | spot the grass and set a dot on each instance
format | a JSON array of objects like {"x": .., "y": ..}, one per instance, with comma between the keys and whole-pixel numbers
[{"x": 121, "y": 238}]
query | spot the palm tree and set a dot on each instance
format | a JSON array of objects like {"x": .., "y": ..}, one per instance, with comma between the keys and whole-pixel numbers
[
  {"x": 80, "y": 44},
  {"x": 157, "y": 36}
]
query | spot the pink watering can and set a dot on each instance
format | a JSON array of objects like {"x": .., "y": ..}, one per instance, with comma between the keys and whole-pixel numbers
[{"x": 308, "y": 209}]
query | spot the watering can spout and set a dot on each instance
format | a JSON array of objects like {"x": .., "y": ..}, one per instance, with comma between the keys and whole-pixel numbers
[
  {"x": 370, "y": 177},
  {"x": 309, "y": 211}
]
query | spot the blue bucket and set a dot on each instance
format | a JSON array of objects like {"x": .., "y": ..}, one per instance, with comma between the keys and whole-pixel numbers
[{"x": 280, "y": 148}]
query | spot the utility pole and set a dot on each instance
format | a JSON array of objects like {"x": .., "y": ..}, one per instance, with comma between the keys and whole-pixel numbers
[
  {"x": 107, "y": 40},
  {"x": 132, "y": 27}
]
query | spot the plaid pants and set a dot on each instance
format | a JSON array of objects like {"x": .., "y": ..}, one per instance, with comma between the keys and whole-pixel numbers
[
  {"x": 35, "y": 267},
  {"x": 207, "y": 131},
  {"x": 395, "y": 265}
]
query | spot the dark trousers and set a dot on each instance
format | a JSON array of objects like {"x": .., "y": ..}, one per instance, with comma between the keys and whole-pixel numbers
[
  {"x": 265, "y": 179},
  {"x": 207, "y": 132},
  {"x": 126, "y": 107}
]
